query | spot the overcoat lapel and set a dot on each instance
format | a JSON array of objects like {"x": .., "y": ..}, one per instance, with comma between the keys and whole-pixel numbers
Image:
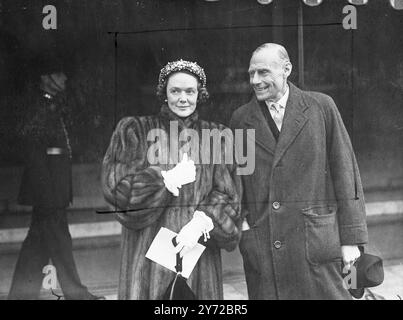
[
  {"x": 263, "y": 135},
  {"x": 294, "y": 121}
]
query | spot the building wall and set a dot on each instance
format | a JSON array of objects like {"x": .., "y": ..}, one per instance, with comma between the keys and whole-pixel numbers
[{"x": 361, "y": 70}]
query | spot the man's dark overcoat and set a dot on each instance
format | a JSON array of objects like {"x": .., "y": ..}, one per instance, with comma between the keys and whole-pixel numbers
[{"x": 303, "y": 200}]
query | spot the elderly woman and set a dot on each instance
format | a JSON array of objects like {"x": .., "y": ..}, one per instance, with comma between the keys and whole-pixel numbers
[{"x": 160, "y": 183}]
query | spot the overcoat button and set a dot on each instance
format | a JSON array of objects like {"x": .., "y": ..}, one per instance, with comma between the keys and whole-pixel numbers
[
  {"x": 277, "y": 244},
  {"x": 276, "y": 205}
]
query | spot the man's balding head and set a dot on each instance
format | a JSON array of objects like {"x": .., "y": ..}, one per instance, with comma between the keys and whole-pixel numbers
[
  {"x": 269, "y": 69},
  {"x": 274, "y": 49}
]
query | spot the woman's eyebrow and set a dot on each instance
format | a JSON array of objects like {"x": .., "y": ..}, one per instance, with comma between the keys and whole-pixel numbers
[{"x": 184, "y": 88}]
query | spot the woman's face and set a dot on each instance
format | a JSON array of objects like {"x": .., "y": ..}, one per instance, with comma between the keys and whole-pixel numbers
[{"x": 182, "y": 93}]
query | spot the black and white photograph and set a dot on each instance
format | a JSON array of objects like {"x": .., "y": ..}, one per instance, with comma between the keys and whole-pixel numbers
[{"x": 201, "y": 150}]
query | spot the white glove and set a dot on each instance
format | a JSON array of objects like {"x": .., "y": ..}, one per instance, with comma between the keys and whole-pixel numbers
[
  {"x": 183, "y": 173},
  {"x": 192, "y": 231}
]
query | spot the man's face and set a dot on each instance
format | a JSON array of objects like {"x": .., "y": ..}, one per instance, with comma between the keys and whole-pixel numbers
[
  {"x": 268, "y": 75},
  {"x": 182, "y": 94}
]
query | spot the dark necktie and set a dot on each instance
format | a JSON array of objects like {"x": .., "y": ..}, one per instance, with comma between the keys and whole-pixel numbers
[{"x": 269, "y": 119}]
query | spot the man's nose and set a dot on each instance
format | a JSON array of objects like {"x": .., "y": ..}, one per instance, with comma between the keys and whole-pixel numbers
[{"x": 255, "y": 79}]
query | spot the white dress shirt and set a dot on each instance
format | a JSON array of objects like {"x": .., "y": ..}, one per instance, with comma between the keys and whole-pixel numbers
[{"x": 277, "y": 109}]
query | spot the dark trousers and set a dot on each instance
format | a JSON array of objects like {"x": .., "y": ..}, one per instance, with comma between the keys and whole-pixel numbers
[{"x": 48, "y": 238}]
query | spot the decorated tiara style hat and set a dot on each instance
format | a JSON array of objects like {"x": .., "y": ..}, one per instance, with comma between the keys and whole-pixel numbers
[{"x": 182, "y": 65}]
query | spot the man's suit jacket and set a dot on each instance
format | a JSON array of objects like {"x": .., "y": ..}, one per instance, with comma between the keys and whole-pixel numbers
[{"x": 303, "y": 201}]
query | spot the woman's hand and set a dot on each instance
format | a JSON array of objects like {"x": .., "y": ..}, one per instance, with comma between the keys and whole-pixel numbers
[
  {"x": 183, "y": 173},
  {"x": 192, "y": 231}
]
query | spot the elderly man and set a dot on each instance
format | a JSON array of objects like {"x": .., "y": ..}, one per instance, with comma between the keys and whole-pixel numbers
[{"x": 305, "y": 206}]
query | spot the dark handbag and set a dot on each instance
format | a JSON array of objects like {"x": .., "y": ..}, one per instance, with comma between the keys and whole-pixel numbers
[{"x": 178, "y": 289}]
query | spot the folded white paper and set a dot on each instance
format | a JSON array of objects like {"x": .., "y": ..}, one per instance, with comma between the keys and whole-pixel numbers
[{"x": 162, "y": 251}]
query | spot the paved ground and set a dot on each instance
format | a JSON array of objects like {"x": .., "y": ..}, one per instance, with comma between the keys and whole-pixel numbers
[
  {"x": 96, "y": 243},
  {"x": 98, "y": 268},
  {"x": 391, "y": 289}
]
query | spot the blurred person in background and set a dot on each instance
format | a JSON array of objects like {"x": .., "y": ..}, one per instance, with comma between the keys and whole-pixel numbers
[{"x": 47, "y": 186}]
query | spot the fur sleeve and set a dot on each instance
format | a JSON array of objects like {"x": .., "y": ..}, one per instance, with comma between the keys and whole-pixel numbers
[
  {"x": 223, "y": 205},
  {"x": 128, "y": 182}
]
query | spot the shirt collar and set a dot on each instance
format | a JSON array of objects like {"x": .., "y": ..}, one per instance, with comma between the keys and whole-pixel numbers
[{"x": 283, "y": 100}]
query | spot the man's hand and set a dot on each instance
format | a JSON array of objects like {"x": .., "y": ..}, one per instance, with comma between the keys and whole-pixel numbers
[
  {"x": 245, "y": 225},
  {"x": 350, "y": 254}
]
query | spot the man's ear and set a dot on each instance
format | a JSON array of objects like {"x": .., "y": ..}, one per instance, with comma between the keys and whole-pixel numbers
[{"x": 287, "y": 69}]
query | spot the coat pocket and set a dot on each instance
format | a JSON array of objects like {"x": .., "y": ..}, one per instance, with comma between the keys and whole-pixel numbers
[{"x": 322, "y": 240}]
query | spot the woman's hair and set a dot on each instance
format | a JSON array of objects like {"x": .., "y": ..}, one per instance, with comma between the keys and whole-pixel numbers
[{"x": 161, "y": 91}]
